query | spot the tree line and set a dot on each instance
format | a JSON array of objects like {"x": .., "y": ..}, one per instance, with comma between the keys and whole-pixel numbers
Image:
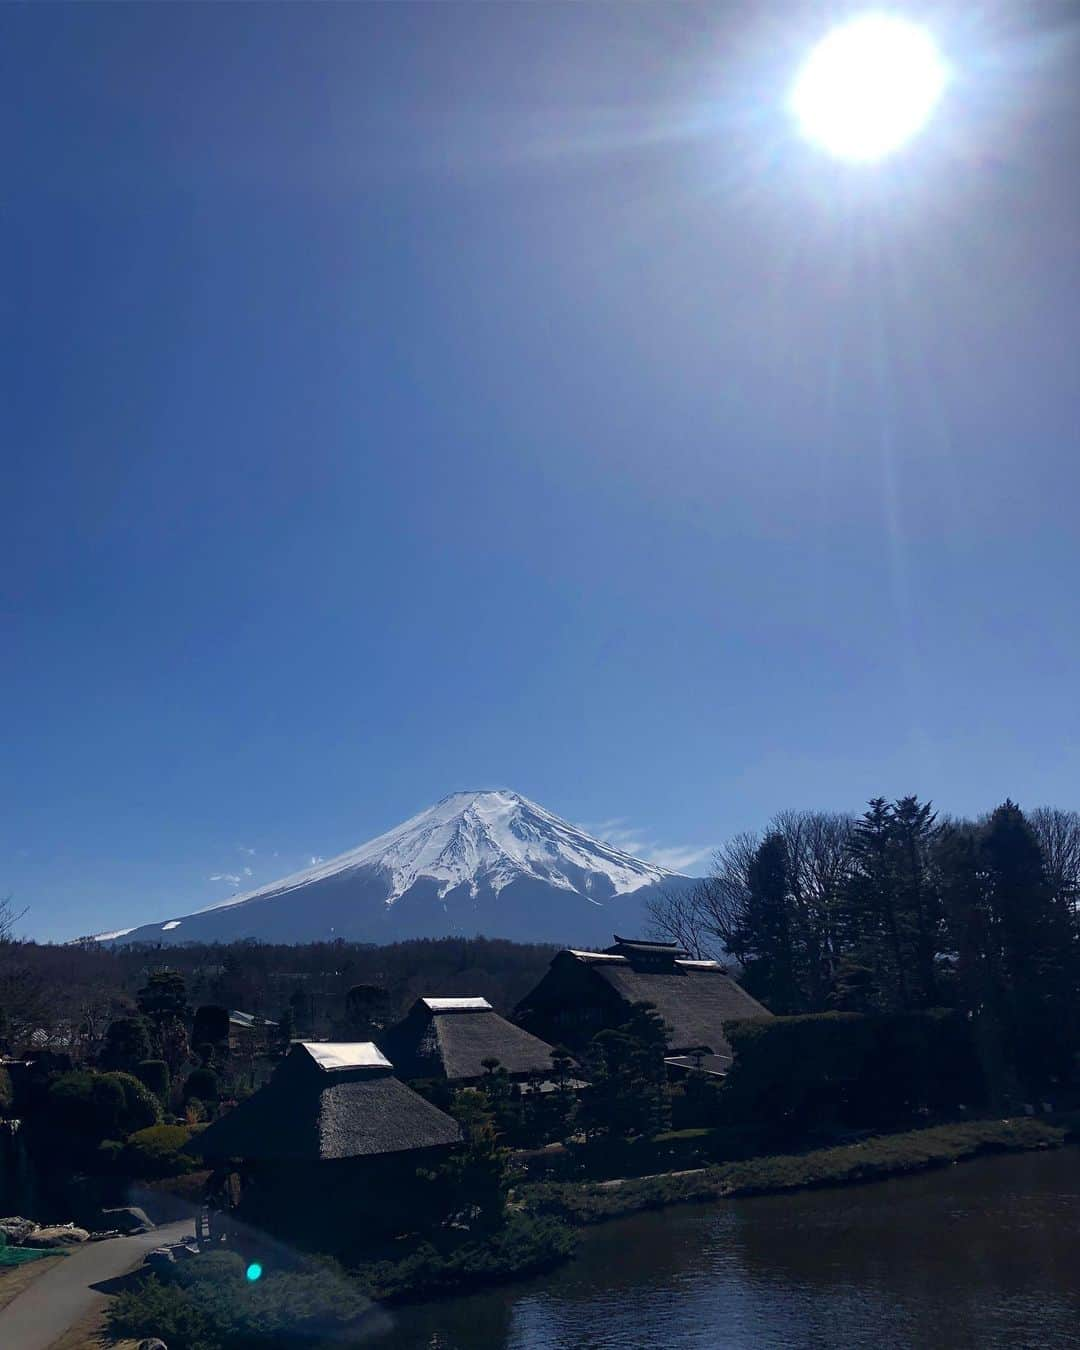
[
  {"x": 65, "y": 996},
  {"x": 899, "y": 910}
]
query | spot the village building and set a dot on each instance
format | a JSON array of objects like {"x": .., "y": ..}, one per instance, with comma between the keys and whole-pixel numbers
[
  {"x": 585, "y": 992},
  {"x": 332, "y": 1135},
  {"x": 449, "y": 1039},
  {"x": 243, "y": 1028}
]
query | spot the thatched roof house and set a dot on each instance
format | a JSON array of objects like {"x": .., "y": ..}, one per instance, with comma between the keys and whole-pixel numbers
[
  {"x": 584, "y": 992},
  {"x": 328, "y": 1101},
  {"x": 449, "y": 1038}
]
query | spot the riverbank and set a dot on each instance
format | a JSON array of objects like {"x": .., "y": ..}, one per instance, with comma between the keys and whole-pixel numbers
[
  {"x": 582, "y": 1203},
  {"x": 978, "y": 1255},
  {"x": 537, "y": 1237}
]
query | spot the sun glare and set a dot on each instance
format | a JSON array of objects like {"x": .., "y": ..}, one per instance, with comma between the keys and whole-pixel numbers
[{"x": 868, "y": 87}]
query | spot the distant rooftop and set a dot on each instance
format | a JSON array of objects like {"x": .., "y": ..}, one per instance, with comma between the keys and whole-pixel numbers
[
  {"x": 243, "y": 1019},
  {"x": 334, "y": 1055},
  {"x": 435, "y": 1041},
  {"x": 445, "y": 1005}
]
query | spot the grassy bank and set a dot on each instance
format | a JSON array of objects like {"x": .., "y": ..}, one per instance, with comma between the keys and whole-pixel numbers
[
  {"x": 871, "y": 1160},
  {"x": 525, "y": 1245}
]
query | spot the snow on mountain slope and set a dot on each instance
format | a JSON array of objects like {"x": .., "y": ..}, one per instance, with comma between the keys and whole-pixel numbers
[
  {"x": 474, "y": 858},
  {"x": 470, "y": 838}
]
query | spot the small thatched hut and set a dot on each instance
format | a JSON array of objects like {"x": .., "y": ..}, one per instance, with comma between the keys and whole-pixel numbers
[
  {"x": 449, "y": 1038},
  {"x": 332, "y": 1137},
  {"x": 584, "y": 992},
  {"x": 328, "y": 1101}
]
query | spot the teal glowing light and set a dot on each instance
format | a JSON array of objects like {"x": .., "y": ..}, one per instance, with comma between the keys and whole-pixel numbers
[{"x": 254, "y": 1271}]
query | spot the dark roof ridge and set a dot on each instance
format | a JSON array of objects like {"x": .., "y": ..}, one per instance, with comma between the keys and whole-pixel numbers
[{"x": 644, "y": 942}]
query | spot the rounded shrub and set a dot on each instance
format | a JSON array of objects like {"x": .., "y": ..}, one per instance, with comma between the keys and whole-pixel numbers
[
  {"x": 141, "y": 1107},
  {"x": 203, "y": 1085},
  {"x": 154, "y": 1074},
  {"x": 157, "y": 1152}
]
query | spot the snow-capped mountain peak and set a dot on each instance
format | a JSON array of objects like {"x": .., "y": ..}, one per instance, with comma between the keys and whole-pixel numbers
[
  {"x": 490, "y": 837},
  {"x": 489, "y": 862}
]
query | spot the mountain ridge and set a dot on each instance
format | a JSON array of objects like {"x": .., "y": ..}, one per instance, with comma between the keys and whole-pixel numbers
[{"x": 487, "y": 857}]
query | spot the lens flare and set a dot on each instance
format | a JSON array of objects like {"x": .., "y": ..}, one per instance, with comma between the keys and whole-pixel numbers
[
  {"x": 254, "y": 1271},
  {"x": 868, "y": 87}
]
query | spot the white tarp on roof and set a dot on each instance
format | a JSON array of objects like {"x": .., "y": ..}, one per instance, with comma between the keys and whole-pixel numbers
[
  {"x": 437, "y": 1005},
  {"x": 331, "y": 1055}
]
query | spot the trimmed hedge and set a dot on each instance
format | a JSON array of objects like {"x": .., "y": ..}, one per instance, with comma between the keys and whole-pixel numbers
[
  {"x": 871, "y": 1160},
  {"x": 792, "y": 1073}
]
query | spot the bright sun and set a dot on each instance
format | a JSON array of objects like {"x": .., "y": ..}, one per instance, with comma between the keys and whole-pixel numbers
[{"x": 868, "y": 87}]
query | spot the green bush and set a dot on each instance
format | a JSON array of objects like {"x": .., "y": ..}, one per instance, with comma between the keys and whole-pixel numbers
[
  {"x": 203, "y": 1085},
  {"x": 523, "y": 1245},
  {"x": 128, "y": 1041},
  {"x": 154, "y": 1075},
  {"x": 7, "y": 1093},
  {"x": 207, "y": 1304},
  {"x": 90, "y": 1106},
  {"x": 157, "y": 1152}
]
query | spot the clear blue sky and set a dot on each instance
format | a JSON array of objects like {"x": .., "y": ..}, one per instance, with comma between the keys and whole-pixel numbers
[{"x": 408, "y": 398}]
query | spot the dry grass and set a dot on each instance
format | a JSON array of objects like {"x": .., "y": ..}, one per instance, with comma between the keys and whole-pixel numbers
[
  {"x": 91, "y": 1334},
  {"x": 15, "y": 1279}
]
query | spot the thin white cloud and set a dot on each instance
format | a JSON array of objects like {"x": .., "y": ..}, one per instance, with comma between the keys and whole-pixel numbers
[
  {"x": 678, "y": 858},
  {"x": 243, "y": 848},
  {"x": 232, "y": 879},
  {"x": 248, "y": 872},
  {"x": 315, "y": 860},
  {"x": 622, "y": 835}
]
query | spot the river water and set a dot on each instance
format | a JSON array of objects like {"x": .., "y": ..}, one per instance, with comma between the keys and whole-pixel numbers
[{"x": 984, "y": 1254}]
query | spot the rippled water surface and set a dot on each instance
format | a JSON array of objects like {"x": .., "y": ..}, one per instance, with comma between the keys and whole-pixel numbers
[{"x": 985, "y": 1254}]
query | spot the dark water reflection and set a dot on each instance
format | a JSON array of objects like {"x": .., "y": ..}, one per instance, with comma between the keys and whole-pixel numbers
[{"x": 984, "y": 1255}]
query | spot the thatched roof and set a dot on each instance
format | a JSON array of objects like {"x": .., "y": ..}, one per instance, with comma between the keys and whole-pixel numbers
[
  {"x": 451, "y": 1037},
  {"x": 693, "y": 998},
  {"x": 328, "y": 1100}
]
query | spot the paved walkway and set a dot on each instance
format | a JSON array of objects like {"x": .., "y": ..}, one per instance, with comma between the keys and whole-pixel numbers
[{"x": 62, "y": 1296}]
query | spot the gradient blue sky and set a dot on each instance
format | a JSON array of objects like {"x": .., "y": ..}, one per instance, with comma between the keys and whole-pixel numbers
[{"x": 408, "y": 398}]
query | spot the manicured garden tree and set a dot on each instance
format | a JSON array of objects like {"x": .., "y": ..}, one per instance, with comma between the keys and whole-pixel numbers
[
  {"x": 128, "y": 1043},
  {"x": 629, "y": 1095},
  {"x": 698, "y": 1102},
  {"x": 285, "y": 1033},
  {"x": 555, "y": 1112},
  {"x": 211, "y": 1027},
  {"x": 163, "y": 999},
  {"x": 154, "y": 1073},
  {"x": 203, "y": 1085},
  {"x": 367, "y": 1012},
  {"x": 86, "y": 1107},
  {"x": 504, "y": 1102},
  {"x": 474, "y": 1181}
]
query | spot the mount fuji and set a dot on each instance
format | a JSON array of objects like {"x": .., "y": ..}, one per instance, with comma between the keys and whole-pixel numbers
[{"x": 491, "y": 863}]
